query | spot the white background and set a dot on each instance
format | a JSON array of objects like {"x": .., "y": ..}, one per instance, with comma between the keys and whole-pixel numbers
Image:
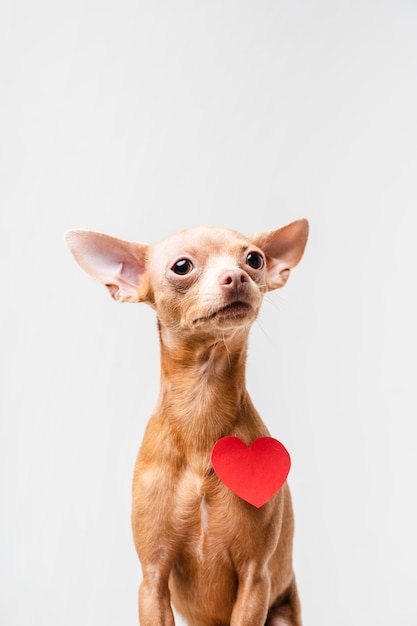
[{"x": 142, "y": 118}]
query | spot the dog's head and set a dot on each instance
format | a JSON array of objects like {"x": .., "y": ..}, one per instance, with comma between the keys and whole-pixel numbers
[{"x": 202, "y": 279}]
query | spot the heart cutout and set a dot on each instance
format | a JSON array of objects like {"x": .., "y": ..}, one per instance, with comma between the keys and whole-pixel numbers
[{"x": 254, "y": 473}]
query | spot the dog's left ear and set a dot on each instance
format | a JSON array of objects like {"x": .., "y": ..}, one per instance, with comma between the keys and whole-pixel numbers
[{"x": 283, "y": 249}]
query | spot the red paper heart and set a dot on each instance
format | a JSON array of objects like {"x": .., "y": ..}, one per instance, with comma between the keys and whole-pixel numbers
[{"x": 256, "y": 472}]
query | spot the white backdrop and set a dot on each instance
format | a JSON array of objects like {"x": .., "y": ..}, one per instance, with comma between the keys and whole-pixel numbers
[{"x": 141, "y": 118}]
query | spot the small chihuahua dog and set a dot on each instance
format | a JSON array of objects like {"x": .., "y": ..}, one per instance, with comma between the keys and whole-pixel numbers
[{"x": 218, "y": 558}]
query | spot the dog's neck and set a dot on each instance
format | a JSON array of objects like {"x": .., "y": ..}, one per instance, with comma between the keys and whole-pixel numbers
[{"x": 203, "y": 383}]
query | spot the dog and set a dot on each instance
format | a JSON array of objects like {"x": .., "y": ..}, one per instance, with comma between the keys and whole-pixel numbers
[{"x": 217, "y": 558}]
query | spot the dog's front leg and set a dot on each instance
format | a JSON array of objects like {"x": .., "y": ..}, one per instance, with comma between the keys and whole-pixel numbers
[
  {"x": 251, "y": 606},
  {"x": 154, "y": 599}
]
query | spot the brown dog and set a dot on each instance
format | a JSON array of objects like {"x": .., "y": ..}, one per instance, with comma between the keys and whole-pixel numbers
[{"x": 220, "y": 559}]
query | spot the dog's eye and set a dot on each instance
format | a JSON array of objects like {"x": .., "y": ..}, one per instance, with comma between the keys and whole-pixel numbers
[
  {"x": 255, "y": 260},
  {"x": 182, "y": 267}
]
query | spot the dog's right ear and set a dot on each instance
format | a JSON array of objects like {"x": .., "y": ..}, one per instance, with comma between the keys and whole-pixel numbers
[{"x": 117, "y": 264}]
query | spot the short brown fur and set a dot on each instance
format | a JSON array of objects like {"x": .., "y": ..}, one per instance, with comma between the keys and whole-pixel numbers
[{"x": 218, "y": 559}]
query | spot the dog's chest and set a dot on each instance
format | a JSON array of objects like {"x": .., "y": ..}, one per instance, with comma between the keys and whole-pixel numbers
[
  {"x": 205, "y": 515},
  {"x": 203, "y": 525}
]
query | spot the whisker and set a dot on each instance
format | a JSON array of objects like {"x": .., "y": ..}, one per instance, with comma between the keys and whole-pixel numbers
[
  {"x": 258, "y": 323},
  {"x": 276, "y": 304},
  {"x": 226, "y": 346}
]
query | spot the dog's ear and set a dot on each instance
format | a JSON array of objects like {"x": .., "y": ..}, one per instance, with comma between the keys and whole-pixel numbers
[
  {"x": 117, "y": 264},
  {"x": 283, "y": 249}
]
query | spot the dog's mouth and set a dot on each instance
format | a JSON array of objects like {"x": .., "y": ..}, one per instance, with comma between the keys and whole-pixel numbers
[{"x": 235, "y": 311}]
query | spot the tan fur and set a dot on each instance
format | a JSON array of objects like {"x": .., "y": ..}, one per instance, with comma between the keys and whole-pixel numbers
[{"x": 217, "y": 558}]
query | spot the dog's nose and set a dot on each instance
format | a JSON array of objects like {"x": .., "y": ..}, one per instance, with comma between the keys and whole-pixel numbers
[{"x": 233, "y": 279}]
